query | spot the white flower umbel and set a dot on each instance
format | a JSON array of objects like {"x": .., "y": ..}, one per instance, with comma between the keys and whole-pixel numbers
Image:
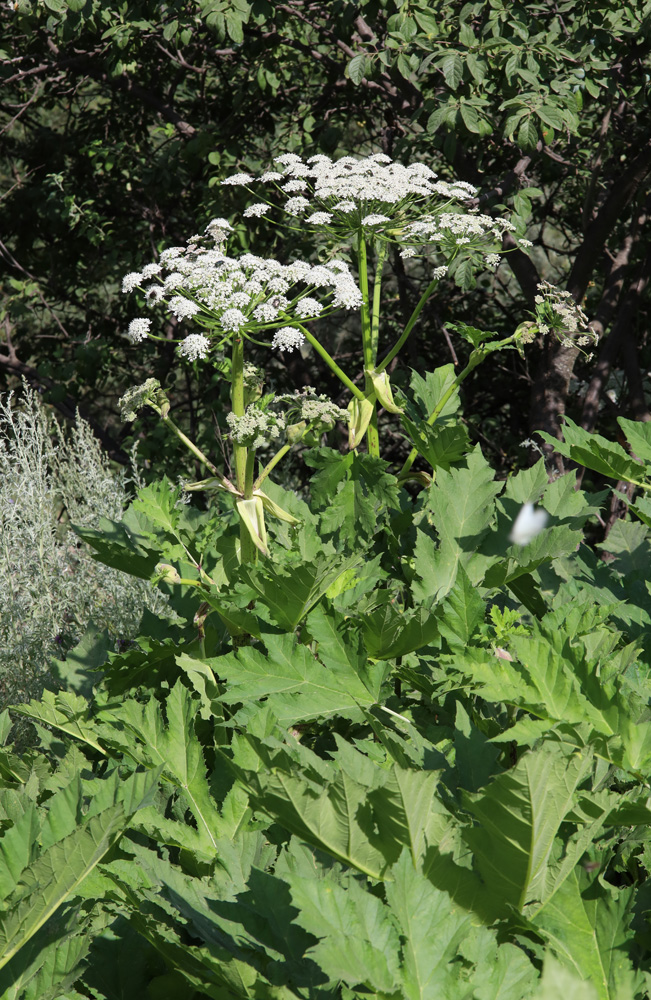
[
  {"x": 132, "y": 280},
  {"x": 307, "y": 307},
  {"x": 194, "y": 347},
  {"x": 529, "y": 523},
  {"x": 256, "y": 210},
  {"x": 183, "y": 308},
  {"x": 249, "y": 296},
  {"x": 375, "y": 220},
  {"x": 138, "y": 330},
  {"x": 479, "y": 235},
  {"x": 287, "y": 339},
  {"x": 407, "y": 205},
  {"x": 349, "y": 193}
]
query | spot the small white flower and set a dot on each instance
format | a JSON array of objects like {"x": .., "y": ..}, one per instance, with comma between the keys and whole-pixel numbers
[
  {"x": 287, "y": 158},
  {"x": 194, "y": 346},
  {"x": 232, "y": 319},
  {"x": 271, "y": 175},
  {"x": 292, "y": 187},
  {"x": 320, "y": 218},
  {"x": 296, "y": 205},
  {"x": 131, "y": 281},
  {"x": 257, "y": 210},
  {"x": 525, "y": 243},
  {"x": 298, "y": 270},
  {"x": 220, "y": 224},
  {"x": 236, "y": 179},
  {"x": 307, "y": 307},
  {"x": 171, "y": 254},
  {"x": 154, "y": 293},
  {"x": 182, "y": 308},
  {"x": 440, "y": 272},
  {"x": 278, "y": 285},
  {"x": 150, "y": 270},
  {"x": 408, "y": 252},
  {"x": 265, "y": 313},
  {"x": 528, "y": 524},
  {"x": 347, "y": 294},
  {"x": 173, "y": 280},
  {"x": 374, "y": 220},
  {"x": 138, "y": 330},
  {"x": 287, "y": 339}
]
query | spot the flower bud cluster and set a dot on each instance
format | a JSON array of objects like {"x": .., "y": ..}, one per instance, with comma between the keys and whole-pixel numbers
[
  {"x": 263, "y": 424},
  {"x": 257, "y": 427},
  {"x": 304, "y": 404},
  {"x": 139, "y": 395},
  {"x": 451, "y": 232},
  {"x": 244, "y": 295},
  {"x": 557, "y": 311}
]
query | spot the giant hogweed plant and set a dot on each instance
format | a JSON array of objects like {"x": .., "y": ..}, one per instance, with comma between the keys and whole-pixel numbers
[
  {"x": 353, "y": 207},
  {"x": 405, "y": 754}
]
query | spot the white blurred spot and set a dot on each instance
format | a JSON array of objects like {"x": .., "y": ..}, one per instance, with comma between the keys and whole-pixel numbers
[{"x": 528, "y": 524}]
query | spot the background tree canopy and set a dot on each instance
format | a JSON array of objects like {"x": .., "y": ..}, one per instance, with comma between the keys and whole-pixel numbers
[{"x": 119, "y": 122}]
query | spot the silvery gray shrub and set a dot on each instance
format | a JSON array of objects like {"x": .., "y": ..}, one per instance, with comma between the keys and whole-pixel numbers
[{"x": 50, "y": 478}]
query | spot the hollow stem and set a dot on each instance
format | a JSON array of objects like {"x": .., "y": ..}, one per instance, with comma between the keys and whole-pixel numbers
[
  {"x": 367, "y": 342},
  {"x": 377, "y": 292},
  {"x": 250, "y": 470},
  {"x": 240, "y": 451}
]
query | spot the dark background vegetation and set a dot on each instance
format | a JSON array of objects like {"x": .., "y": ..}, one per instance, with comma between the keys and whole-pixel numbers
[{"x": 118, "y": 121}]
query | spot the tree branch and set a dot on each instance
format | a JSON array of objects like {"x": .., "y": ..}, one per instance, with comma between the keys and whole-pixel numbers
[{"x": 623, "y": 190}]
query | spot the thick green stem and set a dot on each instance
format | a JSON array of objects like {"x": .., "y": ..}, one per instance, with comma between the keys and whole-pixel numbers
[
  {"x": 248, "y": 551},
  {"x": 331, "y": 363},
  {"x": 377, "y": 291},
  {"x": 373, "y": 435},
  {"x": 250, "y": 470},
  {"x": 409, "y": 327},
  {"x": 237, "y": 404},
  {"x": 371, "y": 331},
  {"x": 367, "y": 343}
]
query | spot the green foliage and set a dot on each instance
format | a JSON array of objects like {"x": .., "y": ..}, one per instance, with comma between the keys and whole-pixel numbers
[
  {"x": 346, "y": 772},
  {"x": 400, "y": 754}
]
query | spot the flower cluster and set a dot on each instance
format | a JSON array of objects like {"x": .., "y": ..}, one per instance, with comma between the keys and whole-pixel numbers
[
  {"x": 451, "y": 232},
  {"x": 138, "y": 396},
  {"x": 557, "y": 311},
  {"x": 407, "y": 205},
  {"x": 263, "y": 424},
  {"x": 257, "y": 427},
  {"x": 304, "y": 404},
  {"x": 347, "y": 194},
  {"x": 245, "y": 295}
]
